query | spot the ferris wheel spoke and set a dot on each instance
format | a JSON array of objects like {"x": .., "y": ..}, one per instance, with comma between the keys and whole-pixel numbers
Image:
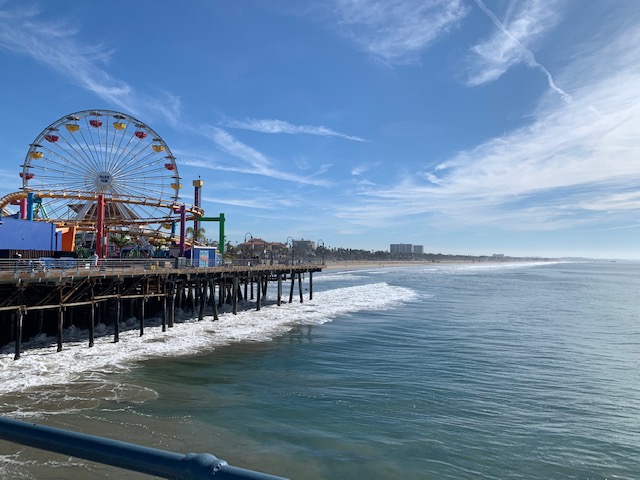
[
  {"x": 133, "y": 161},
  {"x": 131, "y": 149},
  {"x": 139, "y": 192},
  {"x": 141, "y": 171},
  {"x": 67, "y": 169},
  {"x": 54, "y": 175},
  {"x": 115, "y": 134},
  {"x": 118, "y": 149},
  {"x": 93, "y": 132},
  {"x": 83, "y": 146},
  {"x": 70, "y": 157},
  {"x": 81, "y": 149}
]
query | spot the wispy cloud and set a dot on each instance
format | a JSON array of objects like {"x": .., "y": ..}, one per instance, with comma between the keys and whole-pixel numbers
[
  {"x": 509, "y": 45},
  {"x": 55, "y": 43},
  {"x": 280, "y": 126},
  {"x": 246, "y": 202},
  {"x": 575, "y": 163},
  {"x": 397, "y": 31},
  {"x": 246, "y": 159},
  {"x": 610, "y": 203},
  {"x": 359, "y": 170},
  {"x": 229, "y": 144}
]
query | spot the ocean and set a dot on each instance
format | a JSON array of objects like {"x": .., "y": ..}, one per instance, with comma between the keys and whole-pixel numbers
[{"x": 466, "y": 371}]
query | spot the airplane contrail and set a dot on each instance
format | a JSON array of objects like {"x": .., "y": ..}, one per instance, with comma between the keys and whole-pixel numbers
[{"x": 530, "y": 58}]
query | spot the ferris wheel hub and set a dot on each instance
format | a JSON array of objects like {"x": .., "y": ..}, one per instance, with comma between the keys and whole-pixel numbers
[{"x": 103, "y": 180}]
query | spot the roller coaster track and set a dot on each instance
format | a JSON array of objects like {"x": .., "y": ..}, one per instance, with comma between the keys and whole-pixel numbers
[{"x": 173, "y": 208}]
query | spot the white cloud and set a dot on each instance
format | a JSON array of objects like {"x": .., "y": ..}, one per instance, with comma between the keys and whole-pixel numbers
[
  {"x": 575, "y": 163},
  {"x": 397, "y": 31},
  {"x": 280, "y": 126},
  {"x": 359, "y": 170},
  {"x": 55, "y": 44},
  {"x": 609, "y": 203},
  {"x": 229, "y": 144},
  {"x": 247, "y": 202},
  {"x": 251, "y": 161}
]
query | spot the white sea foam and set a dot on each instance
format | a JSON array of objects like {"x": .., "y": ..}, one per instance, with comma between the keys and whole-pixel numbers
[
  {"x": 337, "y": 275},
  {"x": 40, "y": 364},
  {"x": 483, "y": 267},
  {"x": 430, "y": 267}
]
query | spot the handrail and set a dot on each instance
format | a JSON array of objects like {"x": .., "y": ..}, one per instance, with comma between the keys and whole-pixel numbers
[
  {"x": 125, "y": 455},
  {"x": 66, "y": 266}
]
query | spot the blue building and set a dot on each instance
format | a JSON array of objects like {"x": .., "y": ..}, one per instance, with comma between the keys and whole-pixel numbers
[{"x": 25, "y": 235}]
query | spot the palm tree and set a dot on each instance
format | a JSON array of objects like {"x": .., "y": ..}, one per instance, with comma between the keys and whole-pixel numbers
[
  {"x": 195, "y": 235},
  {"x": 120, "y": 240}
]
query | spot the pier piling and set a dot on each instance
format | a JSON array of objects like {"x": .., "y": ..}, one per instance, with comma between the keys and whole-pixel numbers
[
  {"x": 18, "y": 329},
  {"x": 48, "y": 301}
]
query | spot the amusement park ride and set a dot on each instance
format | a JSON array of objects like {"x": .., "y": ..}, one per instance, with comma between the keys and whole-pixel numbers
[{"x": 108, "y": 173}]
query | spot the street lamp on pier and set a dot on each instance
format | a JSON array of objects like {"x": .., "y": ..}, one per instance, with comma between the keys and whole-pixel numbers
[
  {"x": 292, "y": 250},
  {"x": 245, "y": 241},
  {"x": 321, "y": 242}
]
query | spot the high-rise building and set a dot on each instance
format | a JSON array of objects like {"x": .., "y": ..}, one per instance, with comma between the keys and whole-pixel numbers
[
  {"x": 399, "y": 248},
  {"x": 418, "y": 249}
]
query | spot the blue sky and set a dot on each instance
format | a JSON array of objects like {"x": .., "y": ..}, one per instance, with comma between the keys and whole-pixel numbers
[{"x": 468, "y": 126}]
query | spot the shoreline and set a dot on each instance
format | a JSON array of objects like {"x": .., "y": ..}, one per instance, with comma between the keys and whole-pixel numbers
[{"x": 367, "y": 264}]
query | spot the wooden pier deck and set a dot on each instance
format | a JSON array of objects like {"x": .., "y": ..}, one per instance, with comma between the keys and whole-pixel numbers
[{"x": 39, "y": 298}]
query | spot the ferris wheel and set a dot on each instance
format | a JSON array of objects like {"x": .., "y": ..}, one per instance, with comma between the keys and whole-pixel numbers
[{"x": 101, "y": 152}]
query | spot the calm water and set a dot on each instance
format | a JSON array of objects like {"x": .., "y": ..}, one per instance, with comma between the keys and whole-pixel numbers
[{"x": 443, "y": 372}]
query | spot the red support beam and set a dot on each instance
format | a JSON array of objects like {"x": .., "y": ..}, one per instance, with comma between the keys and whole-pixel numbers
[{"x": 100, "y": 240}]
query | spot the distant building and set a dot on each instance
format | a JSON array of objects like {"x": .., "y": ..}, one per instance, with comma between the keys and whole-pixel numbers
[
  {"x": 400, "y": 248},
  {"x": 255, "y": 247},
  {"x": 418, "y": 249},
  {"x": 498, "y": 255},
  {"x": 303, "y": 245}
]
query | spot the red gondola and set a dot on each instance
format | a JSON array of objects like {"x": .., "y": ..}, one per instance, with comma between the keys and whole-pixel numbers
[
  {"x": 51, "y": 138},
  {"x": 170, "y": 166},
  {"x": 140, "y": 134},
  {"x": 95, "y": 123},
  {"x": 28, "y": 176}
]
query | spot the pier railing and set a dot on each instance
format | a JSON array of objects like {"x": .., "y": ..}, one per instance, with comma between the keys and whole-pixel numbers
[
  {"x": 85, "y": 266},
  {"x": 125, "y": 455}
]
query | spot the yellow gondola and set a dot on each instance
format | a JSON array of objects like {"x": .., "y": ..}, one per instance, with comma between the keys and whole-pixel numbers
[
  {"x": 158, "y": 148},
  {"x": 72, "y": 127},
  {"x": 176, "y": 186},
  {"x": 119, "y": 125},
  {"x": 36, "y": 155}
]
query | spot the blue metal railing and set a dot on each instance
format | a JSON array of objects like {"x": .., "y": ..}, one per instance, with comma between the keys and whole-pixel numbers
[{"x": 125, "y": 455}]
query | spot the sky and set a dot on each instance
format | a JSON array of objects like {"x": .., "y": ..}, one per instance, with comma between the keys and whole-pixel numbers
[{"x": 467, "y": 126}]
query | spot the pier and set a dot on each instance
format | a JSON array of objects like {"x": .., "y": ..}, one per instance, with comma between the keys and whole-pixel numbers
[
  {"x": 46, "y": 297},
  {"x": 123, "y": 202}
]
